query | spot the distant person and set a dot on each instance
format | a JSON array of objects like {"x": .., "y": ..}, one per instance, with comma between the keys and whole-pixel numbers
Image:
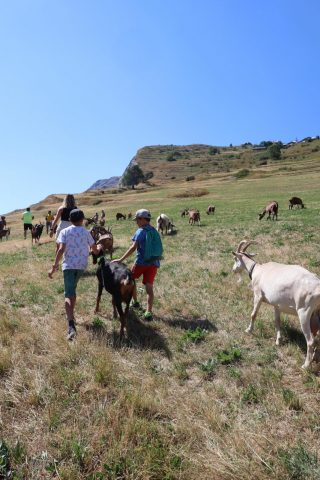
[
  {"x": 27, "y": 218},
  {"x": 3, "y": 223},
  {"x": 74, "y": 245},
  {"x": 49, "y": 219},
  {"x": 147, "y": 243},
  {"x": 62, "y": 216}
]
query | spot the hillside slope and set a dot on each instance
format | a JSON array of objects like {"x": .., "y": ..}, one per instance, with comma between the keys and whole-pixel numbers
[{"x": 171, "y": 163}]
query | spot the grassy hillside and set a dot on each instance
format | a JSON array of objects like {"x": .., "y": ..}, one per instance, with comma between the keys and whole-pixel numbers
[
  {"x": 189, "y": 395},
  {"x": 174, "y": 163}
]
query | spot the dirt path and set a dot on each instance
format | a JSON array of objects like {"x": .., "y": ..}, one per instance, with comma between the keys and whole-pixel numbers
[{"x": 8, "y": 246}]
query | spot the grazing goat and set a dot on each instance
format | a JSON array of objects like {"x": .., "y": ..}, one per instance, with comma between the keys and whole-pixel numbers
[
  {"x": 36, "y": 232},
  {"x": 96, "y": 231},
  {"x": 194, "y": 216},
  {"x": 289, "y": 289},
  {"x": 211, "y": 209},
  {"x": 295, "y": 201},
  {"x": 4, "y": 233},
  {"x": 184, "y": 212},
  {"x": 89, "y": 221},
  {"x": 117, "y": 279},
  {"x": 129, "y": 215},
  {"x": 164, "y": 223},
  {"x": 120, "y": 216},
  {"x": 270, "y": 209},
  {"x": 104, "y": 237}
]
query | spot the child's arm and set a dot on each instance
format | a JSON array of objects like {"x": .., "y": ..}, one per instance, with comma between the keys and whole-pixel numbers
[
  {"x": 59, "y": 254},
  {"x": 130, "y": 250},
  {"x": 55, "y": 221}
]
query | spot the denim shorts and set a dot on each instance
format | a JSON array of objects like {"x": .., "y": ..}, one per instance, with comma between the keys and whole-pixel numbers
[{"x": 71, "y": 277}]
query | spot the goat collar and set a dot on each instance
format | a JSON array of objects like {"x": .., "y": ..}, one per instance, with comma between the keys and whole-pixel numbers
[
  {"x": 251, "y": 270},
  {"x": 252, "y": 266}
]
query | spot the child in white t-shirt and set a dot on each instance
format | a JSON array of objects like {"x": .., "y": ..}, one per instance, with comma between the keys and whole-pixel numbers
[{"x": 74, "y": 245}]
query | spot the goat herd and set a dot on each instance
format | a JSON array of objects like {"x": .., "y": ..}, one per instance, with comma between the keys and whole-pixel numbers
[{"x": 288, "y": 288}]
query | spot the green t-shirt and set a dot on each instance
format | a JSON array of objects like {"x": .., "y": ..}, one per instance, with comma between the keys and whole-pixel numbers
[{"x": 27, "y": 217}]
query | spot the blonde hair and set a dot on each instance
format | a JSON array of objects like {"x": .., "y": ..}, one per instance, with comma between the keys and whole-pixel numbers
[{"x": 69, "y": 201}]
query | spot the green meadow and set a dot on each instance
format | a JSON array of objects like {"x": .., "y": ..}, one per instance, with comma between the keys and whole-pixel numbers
[{"x": 189, "y": 395}]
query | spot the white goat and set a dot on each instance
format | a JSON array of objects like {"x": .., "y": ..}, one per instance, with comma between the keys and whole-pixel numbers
[
  {"x": 164, "y": 223},
  {"x": 288, "y": 288}
]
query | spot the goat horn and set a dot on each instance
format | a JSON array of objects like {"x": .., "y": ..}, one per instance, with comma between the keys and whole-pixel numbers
[
  {"x": 250, "y": 242},
  {"x": 243, "y": 242}
]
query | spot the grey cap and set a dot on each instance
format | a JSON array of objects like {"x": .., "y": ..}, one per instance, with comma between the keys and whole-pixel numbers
[{"x": 142, "y": 213}]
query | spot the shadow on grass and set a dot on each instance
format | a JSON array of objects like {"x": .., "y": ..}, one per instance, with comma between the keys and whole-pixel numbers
[
  {"x": 190, "y": 323},
  {"x": 294, "y": 335},
  {"x": 140, "y": 335}
]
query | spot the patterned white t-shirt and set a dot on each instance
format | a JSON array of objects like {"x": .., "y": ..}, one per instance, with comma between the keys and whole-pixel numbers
[{"x": 78, "y": 242}]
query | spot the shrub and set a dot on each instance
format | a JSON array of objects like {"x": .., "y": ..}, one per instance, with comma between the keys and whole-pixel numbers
[
  {"x": 291, "y": 399},
  {"x": 208, "y": 368},
  {"x": 195, "y": 336},
  {"x": 275, "y": 151},
  {"x": 196, "y": 192},
  {"x": 300, "y": 463},
  {"x": 172, "y": 157},
  {"x": 229, "y": 356},
  {"x": 213, "y": 150},
  {"x": 250, "y": 394},
  {"x": 242, "y": 173}
]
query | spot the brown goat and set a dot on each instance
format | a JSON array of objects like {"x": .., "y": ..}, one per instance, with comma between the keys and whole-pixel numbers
[
  {"x": 194, "y": 216},
  {"x": 270, "y": 209},
  {"x": 120, "y": 216}
]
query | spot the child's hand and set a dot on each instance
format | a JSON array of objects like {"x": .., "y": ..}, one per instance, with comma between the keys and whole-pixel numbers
[{"x": 53, "y": 269}]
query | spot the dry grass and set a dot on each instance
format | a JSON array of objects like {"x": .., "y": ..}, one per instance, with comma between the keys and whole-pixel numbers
[{"x": 187, "y": 396}]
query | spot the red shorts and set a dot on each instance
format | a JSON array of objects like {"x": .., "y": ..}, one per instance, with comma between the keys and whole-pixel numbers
[{"x": 148, "y": 271}]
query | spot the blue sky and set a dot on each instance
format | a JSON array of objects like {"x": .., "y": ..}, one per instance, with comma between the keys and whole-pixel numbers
[{"x": 85, "y": 84}]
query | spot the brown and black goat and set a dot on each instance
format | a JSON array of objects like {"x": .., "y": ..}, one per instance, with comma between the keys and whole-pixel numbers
[
  {"x": 104, "y": 237},
  {"x": 36, "y": 232},
  {"x": 270, "y": 209},
  {"x": 117, "y": 279},
  {"x": 211, "y": 209}
]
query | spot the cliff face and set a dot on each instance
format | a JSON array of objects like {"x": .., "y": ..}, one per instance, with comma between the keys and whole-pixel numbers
[{"x": 111, "y": 182}]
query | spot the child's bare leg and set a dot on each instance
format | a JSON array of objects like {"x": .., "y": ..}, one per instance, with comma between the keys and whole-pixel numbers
[{"x": 150, "y": 296}]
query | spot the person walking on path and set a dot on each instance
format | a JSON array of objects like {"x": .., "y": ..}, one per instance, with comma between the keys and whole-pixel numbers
[
  {"x": 27, "y": 218},
  {"x": 144, "y": 265},
  {"x": 49, "y": 219},
  {"x": 62, "y": 216},
  {"x": 74, "y": 246}
]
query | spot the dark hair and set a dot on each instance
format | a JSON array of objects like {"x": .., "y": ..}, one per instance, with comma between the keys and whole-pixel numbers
[{"x": 76, "y": 215}]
